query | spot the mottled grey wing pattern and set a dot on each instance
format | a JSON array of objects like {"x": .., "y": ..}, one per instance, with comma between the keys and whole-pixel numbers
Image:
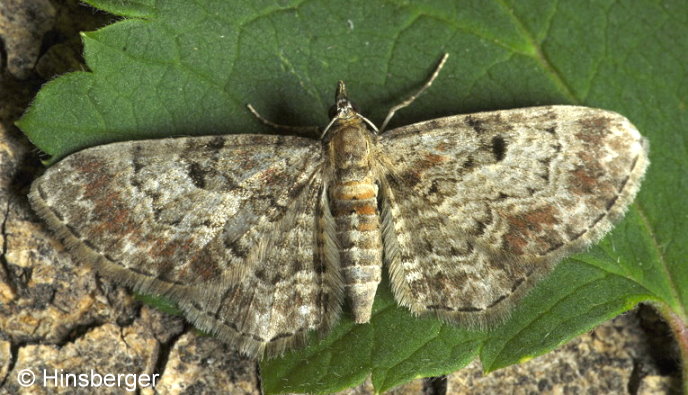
[
  {"x": 208, "y": 222},
  {"x": 477, "y": 207}
]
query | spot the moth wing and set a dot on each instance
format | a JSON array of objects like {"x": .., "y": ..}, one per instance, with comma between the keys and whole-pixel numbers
[
  {"x": 476, "y": 208},
  {"x": 231, "y": 228}
]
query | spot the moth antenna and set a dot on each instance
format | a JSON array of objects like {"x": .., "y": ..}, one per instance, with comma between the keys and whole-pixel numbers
[
  {"x": 302, "y": 130},
  {"x": 413, "y": 97}
]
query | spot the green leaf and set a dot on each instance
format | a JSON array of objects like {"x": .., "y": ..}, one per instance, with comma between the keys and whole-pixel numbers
[{"x": 185, "y": 68}]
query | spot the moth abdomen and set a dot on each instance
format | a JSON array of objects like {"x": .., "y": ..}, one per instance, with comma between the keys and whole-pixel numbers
[{"x": 356, "y": 215}]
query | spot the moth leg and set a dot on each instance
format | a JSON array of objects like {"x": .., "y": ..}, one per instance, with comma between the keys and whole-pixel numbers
[
  {"x": 300, "y": 130},
  {"x": 414, "y": 96}
]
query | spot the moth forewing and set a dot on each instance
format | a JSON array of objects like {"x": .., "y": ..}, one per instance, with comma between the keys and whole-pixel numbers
[{"x": 479, "y": 207}]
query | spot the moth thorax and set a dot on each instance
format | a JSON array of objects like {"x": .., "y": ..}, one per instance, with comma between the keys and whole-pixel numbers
[{"x": 349, "y": 145}]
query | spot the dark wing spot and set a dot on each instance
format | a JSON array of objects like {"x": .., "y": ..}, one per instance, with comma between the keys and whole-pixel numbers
[
  {"x": 611, "y": 202},
  {"x": 237, "y": 248},
  {"x": 158, "y": 213},
  {"x": 90, "y": 245},
  {"x": 197, "y": 175},
  {"x": 554, "y": 247},
  {"x": 497, "y": 301},
  {"x": 498, "y": 148},
  {"x": 73, "y": 231},
  {"x": 262, "y": 275},
  {"x": 479, "y": 228},
  {"x": 576, "y": 236},
  {"x": 469, "y": 309},
  {"x": 432, "y": 124},
  {"x": 216, "y": 143},
  {"x": 281, "y": 336},
  {"x": 476, "y": 124},
  {"x": 433, "y": 188},
  {"x": 517, "y": 284},
  {"x": 136, "y": 154},
  {"x": 598, "y": 219}
]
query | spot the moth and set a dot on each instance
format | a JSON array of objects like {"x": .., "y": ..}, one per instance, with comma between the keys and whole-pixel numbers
[{"x": 260, "y": 239}]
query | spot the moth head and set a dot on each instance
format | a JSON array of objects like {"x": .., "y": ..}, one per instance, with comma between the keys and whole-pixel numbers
[
  {"x": 343, "y": 108},
  {"x": 344, "y": 112}
]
